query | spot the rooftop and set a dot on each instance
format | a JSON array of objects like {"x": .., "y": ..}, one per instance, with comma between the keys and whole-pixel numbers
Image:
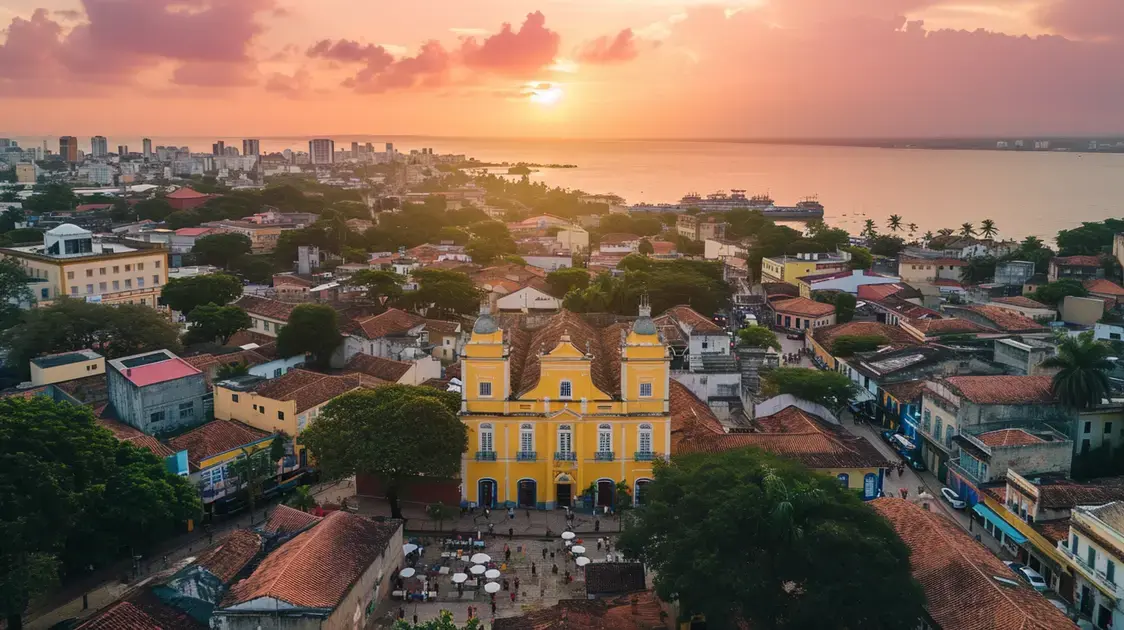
[
  {"x": 389, "y": 323},
  {"x": 231, "y": 555},
  {"x": 318, "y": 567},
  {"x": 286, "y": 520},
  {"x": 827, "y": 335},
  {"x": 591, "y": 614},
  {"x": 272, "y": 309},
  {"x": 215, "y": 438},
  {"x": 945, "y": 262},
  {"x": 692, "y": 321},
  {"x": 1077, "y": 261},
  {"x": 1104, "y": 287},
  {"x": 126, "y": 433},
  {"x": 307, "y": 389},
  {"x": 947, "y": 326},
  {"x": 1003, "y": 319},
  {"x": 378, "y": 367},
  {"x": 151, "y": 368},
  {"x": 1021, "y": 301},
  {"x": 1067, "y": 494},
  {"x": 1009, "y": 437},
  {"x": 1003, "y": 390},
  {"x": 64, "y": 358},
  {"x": 948, "y": 563},
  {"x": 906, "y": 392},
  {"x": 185, "y": 193},
  {"x": 803, "y": 307}
]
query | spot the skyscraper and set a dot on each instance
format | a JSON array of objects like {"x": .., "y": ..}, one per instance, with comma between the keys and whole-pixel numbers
[
  {"x": 355, "y": 149},
  {"x": 99, "y": 146},
  {"x": 147, "y": 144},
  {"x": 218, "y": 148},
  {"x": 68, "y": 148},
  {"x": 122, "y": 150},
  {"x": 322, "y": 151},
  {"x": 251, "y": 147}
]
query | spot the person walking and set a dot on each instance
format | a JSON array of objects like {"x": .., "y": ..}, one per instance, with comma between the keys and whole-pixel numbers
[
  {"x": 532, "y": 569},
  {"x": 510, "y": 533},
  {"x": 544, "y": 553}
]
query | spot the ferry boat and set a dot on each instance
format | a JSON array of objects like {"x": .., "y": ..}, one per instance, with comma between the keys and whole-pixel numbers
[{"x": 807, "y": 208}]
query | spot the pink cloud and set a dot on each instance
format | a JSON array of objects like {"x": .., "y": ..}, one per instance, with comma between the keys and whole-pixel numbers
[
  {"x": 349, "y": 51},
  {"x": 295, "y": 85},
  {"x": 606, "y": 50},
  {"x": 218, "y": 74},
  {"x": 429, "y": 68},
  {"x": 1083, "y": 19},
  {"x": 510, "y": 52}
]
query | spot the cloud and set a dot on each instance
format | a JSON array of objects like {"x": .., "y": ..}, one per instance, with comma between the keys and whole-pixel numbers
[
  {"x": 349, "y": 51},
  {"x": 429, "y": 68},
  {"x": 214, "y": 74},
  {"x": 294, "y": 85},
  {"x": 1083, "y": 19},
  {"x": 606, "y": 49},
  {"x": 512, "y": 52}
]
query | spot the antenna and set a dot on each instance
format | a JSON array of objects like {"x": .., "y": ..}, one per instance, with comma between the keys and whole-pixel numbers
[{"x": 645, "y": 305}]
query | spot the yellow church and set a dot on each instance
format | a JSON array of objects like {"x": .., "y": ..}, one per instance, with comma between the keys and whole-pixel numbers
[{"x": 556, "y": 407}]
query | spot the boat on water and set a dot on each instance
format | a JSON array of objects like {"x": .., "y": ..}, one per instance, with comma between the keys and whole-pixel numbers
[{"x": 807, "y": 208}]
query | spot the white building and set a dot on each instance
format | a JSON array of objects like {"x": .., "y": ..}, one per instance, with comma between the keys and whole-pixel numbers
[
  {"x": 528, "y": 299},
  {"x": 99, "y": 146},
  {"x": 714, "y": 249},
  {"x": 322, "y": 151}
]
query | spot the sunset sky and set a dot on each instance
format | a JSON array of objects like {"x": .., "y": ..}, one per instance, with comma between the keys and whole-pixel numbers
[{"x": 562, "y": 68}]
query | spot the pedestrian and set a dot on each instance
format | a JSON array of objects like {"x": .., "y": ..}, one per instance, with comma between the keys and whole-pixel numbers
[
  {"x": 554, "y": 569},
  {"x": 510, "y": 533},
  {"x": 596, "y": 524},
  {"x": 460, "y": 588},
  {"x": 511, "y": 513},
  {"x": 506, "y": 585},
  {"x": 436, "y": 589},
  {"x": 528, "y": 512},
  {"x": 598, "y": 544},
  {"x": 544, "y": 553},
  {"x": 415, "y": 619},
  {"x": 512, "y": 597},
  {"x": 401, "y": 613},
  {"x": 517, "y": 584},
  {"x": 904, "y": 492},
  {"x": 507, "y": 555},
  {"x": 491, "y": 528},
  {"x": 532, "y": 569},
  {"x": 487, "y": 513},
  {"x": 552, "y": 555},
  {"x": 493, "y": 607}
]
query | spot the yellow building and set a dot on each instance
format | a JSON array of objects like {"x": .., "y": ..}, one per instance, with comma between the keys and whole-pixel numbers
[
  {"x": 210, "y": 450},
  {"x": 791, "y": 268},
  {"x": 556, "y": 409},
  {"x": 66, "y": 366},
  {"x": 72, "y": 263}
]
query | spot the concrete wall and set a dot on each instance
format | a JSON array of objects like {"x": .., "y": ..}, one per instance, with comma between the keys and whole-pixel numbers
[
  {"x": 721, "y": 391},
  {"x": 1084, "y": 311},
  {"x": 1046, "y": 457},
  {"x": 135, "y": 405},
  {"x": 61, "y": 373}
]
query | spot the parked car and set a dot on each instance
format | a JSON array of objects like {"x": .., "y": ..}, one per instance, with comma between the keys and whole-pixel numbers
[
  {"x": 888, "y": 436},
  {"x": 1034, "y": 578},
  {"x": 1060, "y": 605},
  {"x": 917, "y": 465},
  {"x": 795, "y": 336},
  {"x": 953, "y": 499}
]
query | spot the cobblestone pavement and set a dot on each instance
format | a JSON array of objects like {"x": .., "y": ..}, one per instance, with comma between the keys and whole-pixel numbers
[{"x": 537, "y": 590}]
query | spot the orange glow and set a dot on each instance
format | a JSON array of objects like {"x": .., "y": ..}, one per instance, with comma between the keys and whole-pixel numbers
[{"x": 546, "y": 95}]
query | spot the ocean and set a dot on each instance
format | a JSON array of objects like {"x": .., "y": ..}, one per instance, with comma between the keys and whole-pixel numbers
[{"x": 1025, "y": 193}]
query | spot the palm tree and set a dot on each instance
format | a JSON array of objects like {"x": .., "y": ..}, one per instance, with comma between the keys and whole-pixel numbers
[
  {"x": 945, "y": 231},
  {"x": 252, "y": 469},
  {"x": 912, "y": 228},
  {"x": 988, "y": 229},
  {"x": 1083, "y": 366},
  {"x": 928, "y": 236},
  {"x": 303, "y": 499},
  {"x": 1031, "y": 243},
  {"x": 869, "y": 230},
  {"x": 967, "y": 230},
  {"x": 895, "y": 222}
]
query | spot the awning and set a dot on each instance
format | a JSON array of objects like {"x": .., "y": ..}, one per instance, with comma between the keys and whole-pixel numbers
[{"x": 1011, "y": 533}]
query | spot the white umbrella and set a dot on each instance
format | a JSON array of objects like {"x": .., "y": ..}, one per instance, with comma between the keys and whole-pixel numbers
[
  {"x": 477, "y": 570},
  {"x": 492, "y": 587},
  {"x": 459, "y": 577},
  {"x": 582, "y": 561},
  {"x": 408, "y": 572},
  {"x": 492, "y": 574},
  {"x": 577, "y": 549},
  {"x": 409, "y": 549},
  {"x": 568, "y": 535},
  {"x": 481, "y": 558}
]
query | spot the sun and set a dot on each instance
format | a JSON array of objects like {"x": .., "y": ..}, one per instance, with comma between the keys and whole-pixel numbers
[{"x": 545, "y": 94}]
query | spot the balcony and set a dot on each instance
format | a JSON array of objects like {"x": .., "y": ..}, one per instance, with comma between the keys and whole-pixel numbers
[
  {"x": 606, "y": 456},
  {"x": 1090, "y": 573},
  {"x": 525, "y": 456},
  {"x": 644, "y": 456},
  {"x": 565, "y": 456},
  {"x": 485, "y": 456}
]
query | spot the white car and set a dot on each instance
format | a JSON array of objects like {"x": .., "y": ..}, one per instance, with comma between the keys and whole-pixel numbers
[
  {"x": 1037, "y": 582},
  {"x": 953, "y": 499}
]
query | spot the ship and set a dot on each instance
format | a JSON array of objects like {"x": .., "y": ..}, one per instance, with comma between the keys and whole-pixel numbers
[{"x": 807, "y": 208}]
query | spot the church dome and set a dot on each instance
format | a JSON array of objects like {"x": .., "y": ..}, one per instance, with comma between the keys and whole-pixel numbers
[{"x": 485, "y": 325}]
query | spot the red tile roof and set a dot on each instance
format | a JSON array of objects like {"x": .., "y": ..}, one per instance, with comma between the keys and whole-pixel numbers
[
  {"x": 286, "y": 520},
  {"x": 907, "y": 392},
  {"x": 803, "y": 307},
  {"x": 1004, "y": 319},
  {"x": 307, "y": 389},
  {"x": 526, "y": 346},
  {"x": 89, "y": 207},
  {"x": 827, "y": 335},
  {"x": 160, "y": 372},
  {"x": 691, "y": 418},
  {"x": 378, "y": 367},
  {"x": 693, "y": 320},
  {"x": 193, "y": 231},
  {"x": 662, "y": 248},
  {"x": 947, "y": 326},
  {"x": 126, "y": 433},
  {"x": 214, "y": 438},
  {"x": 272, "y": 309},
  {"x": 441, "y": 327},
  {"x": 185, "y": 193},
  {"x": 1069, "y": 494},
  {"x": 1076, "y": 261},
  {"x": 1020, "y": 301},
  {"x": 1004, "y": 390},
  {"x": 141, "y": 610},
  {"x": 1009, "y": 437},
  {"x": 231, "y": 555},
  {"x": 1104, "y": 287},
  {"x": 318, "y": 567},
  {"x": 946, "y": 282},
  {"x": 391, "y": 322},
  {"x": 591, "y": 614},
  {"x": 878, "y": 291},
  {"x": 951, "y": 566},
  {"x": 776, "y": 289},
  {"x": 1053, "y": 531}
]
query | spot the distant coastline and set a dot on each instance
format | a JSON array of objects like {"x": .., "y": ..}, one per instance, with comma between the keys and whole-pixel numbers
[{"x": 1011, "y": 144}]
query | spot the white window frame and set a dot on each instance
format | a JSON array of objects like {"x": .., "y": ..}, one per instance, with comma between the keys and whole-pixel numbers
[
  {"x": 562, "y": 387},
  {"x": 650, "y": 389},
  {"x": 480, "y": 389},
  {"x": 565, "y": 438},
  {"x": 527, "y": 438},
  {"x": 604, "y": 431},
  {"x": 487, "y": 438},
  {"x": 644, "y": 432}
]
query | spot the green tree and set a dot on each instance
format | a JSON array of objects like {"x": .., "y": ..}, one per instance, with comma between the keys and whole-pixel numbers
[
  {"x": 830, "y": 389},
  {"x": 804, "y": 544},
  {"x": 312, "y": 329},
  {"x": 978, "y": 269},
  {"x": 646, "y": 248},
  {"x": 1091, "y": 239},
  {"x": 1054, "y": 293},
  {"x": 444, "y": 294},
  {"x": 379, "y": 284},
  {"x": 72, "y": 495},
  {"x": 156, "y": 209},
  {"x": 257, "y": 269},
  {"x": 928, "y": 236},
  {"x": 183, "y": 219},
  {"x": 485, "y": 252},
  {"x": 894, "y": 223},
  {"x": 562, "y": 281},
  {"x": 68, "y": 325},
  {"x": 758, "y": 337},
  {"x": 395, "y": 432},
  {"x": 886, "y": 245},
  {"x": 1083, "y": 367},
  {"x": 988, "y": 229},
  {"x": 861, "y": 257},
  {"x": 51, "y": 198},
  {"x": 845, "y": 305},
  {"x": 302, "y": 499},
  {"x": 13, "y": 292},
  {"x": 847, "y": 345},
  {"x": 232, "y": 370},
  {"x": 221, "y": 250},
  {"x": 444, "y": 622},
  {"x": 253, "y": 469},
  {"x": 869, "y": 230},
  {"x": 211, "y": 323},
  {"x": 967, "y": 230},
  {"x": 946, "y": 232},
  {"x": 184, "y": 294},
  {"x": 439, "y": 513}
]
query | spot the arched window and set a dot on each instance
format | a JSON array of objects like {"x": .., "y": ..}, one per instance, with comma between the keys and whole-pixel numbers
[
  {"x": 644, "y": 440},
  {"x": 604, "y": 438},
  {"x": 565, "y": 390},
  {"x": 844, "y": 480},
  {"x": 526, "y": 438},
  {"x": 487, "y": 442}
]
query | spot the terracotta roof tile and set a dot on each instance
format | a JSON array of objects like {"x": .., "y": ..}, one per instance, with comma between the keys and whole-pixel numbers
[
  {"x": 141, "y": 610},
  {"x": 773, "y": 289},
  {"x": 441, "y": 327},
  {"x": 318, "y": 567},
  {"x": 827, "y": 335},
  {"x": 906, "y": 392},
  {"x": 1077, "y": 261},
  {"x": 185, "y": 193},
  {"x": 691, "y": 418},
  {"x": 1104, "y": 287},
  {"x": 214, "y": 438},
  {"x": 231, "y": 555},
  {"x": 526, "y": 346},
  {"x": 391, "y": 322},
  {"x": 1069, "y": 494},
  {"x": 126, "y": 433},
  {"x": 286, "y": 520},
  {"x": 693, "y": 320},
  {"x": 879, "y": 291},
  {"x": 378, "y": 367},
  {"x": 615, "y": 578},
  {"x": 1053, "y": 531},
  {"x": 1004, "y": 390},
  {"x": 803, "y": 307},
  {"x": 1021, "y": 301},
  {"x": 958, "y": 576},
  {"x": 669, "y": 329},
  {"x": 308, "y": 389},
  {"x": 948, "y": 326},
  {"x": 1004, "y": 319},
  {"x": 273, "y": 309},
  {"x": 1008, "y": 437}
]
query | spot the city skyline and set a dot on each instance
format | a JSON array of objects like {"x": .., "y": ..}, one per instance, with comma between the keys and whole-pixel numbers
[{"x": 738, "y": 68}]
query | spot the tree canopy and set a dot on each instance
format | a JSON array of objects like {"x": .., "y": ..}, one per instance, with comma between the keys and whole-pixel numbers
[
  {"x": 1054, "y": 293},
  {"x": 443, "y": 293},
  {"x": 758, "y": 337},
  {"x": 667, "y": 283},
  {"x": 395, "y": 432},
  {"x": 213, "y": 323},
  {"x": 1092, "y": 238},
  {"x": 312, "y": 329},
  {"x": 221, "y": 250},
  {"x": 830, "y": 389},
  {"x": 184, "y": 294},
  {"x": 744, "y": 536},
  {"x": 562, "y": 281},
  {"x": 72, "y": 496},
  {"x": 1083, "y": 366},
  {"x": 379, "y": 284},
  {"x": 13, "y": 292},
  {"x": 67, "y": 325},
  {"x": 848, "y": 345}
]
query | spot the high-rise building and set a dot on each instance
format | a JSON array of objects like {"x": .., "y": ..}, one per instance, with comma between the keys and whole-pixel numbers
[
  {"x": 7, "y": 142},
  {"x": 390, "y": 147},
  {"x": 68, "y": 148},
  {"x": 147, "y": 144},
  {"x": 218, "y": 148},
  {"x": 251, "y": 147},
  {"x": 99, "y": 146},
  {"x": 122, "y": 150},
  {"x": 230, "y": 151},
  {"x": 322, "y": 151},
  {"x": 355, "y": 149}
]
